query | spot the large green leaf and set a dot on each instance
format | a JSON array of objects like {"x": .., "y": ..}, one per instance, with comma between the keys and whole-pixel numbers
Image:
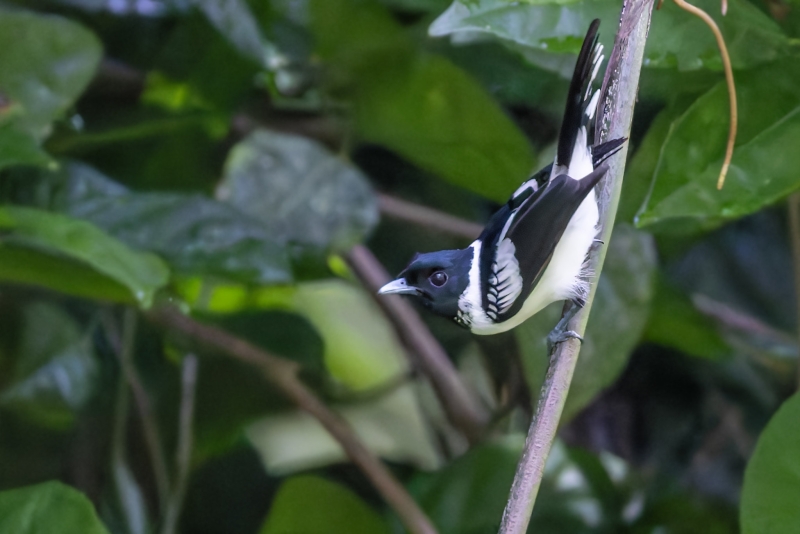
[
  {"x": 48, "y": 507},
  {"x": 677, "y": 39},
  {"x": 56, "y": 369},
  {"x": 313, "y": 505},
  {"x": 683, "y": 193},
  {"x": 45, "y": 63},
  {"x": 196, "y": 235},
  {"x": 419, "y": 105},
  {"x": 299, "y": 190},
  {"x": 392, "y": 425},
  {"x": 769, "y": 494},
  {"x": 31, "y": 233},
  {"x": 617, "y": 320}
]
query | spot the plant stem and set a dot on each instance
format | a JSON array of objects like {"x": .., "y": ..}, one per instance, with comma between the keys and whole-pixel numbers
[
  {"x": 284, "y": 375},
  {"x": 619, "y": 92},
  {"x": 427, "y": 217},
  {"x": 183, "y": 450},
  {"x": 462, "y": 407}
]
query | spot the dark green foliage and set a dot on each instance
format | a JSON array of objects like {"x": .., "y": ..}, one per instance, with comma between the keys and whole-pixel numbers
[{"x": 224, "y": 156}]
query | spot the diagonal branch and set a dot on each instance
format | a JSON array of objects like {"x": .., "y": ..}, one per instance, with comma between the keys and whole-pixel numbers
[
  {"x": 462, "y": 408},
  {"x": 284, "y": 375},
  {"x": 619, "y": 92},
  {"x": 427, "y": 217}
]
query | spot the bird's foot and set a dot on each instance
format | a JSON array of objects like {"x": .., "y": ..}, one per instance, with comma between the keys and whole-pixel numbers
[{"x": 561, "y": 332}]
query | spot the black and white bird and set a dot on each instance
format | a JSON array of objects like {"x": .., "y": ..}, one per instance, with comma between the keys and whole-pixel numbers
[{"x": 533, "y": 249}]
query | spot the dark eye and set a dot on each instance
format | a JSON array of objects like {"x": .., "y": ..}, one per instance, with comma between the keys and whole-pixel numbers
[{"x": 439, "y": 278}]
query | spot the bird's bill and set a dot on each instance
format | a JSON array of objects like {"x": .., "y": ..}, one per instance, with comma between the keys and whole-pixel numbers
[{"x": 397, "y": 287}]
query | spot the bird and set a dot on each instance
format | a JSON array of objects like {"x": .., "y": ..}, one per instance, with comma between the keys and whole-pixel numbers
[{"x": 533, "y": 250}]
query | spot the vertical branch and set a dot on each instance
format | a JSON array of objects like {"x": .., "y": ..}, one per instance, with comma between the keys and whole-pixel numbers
[
  {"x": 619, "y": 92},
  {"x": 794, "y": 232},
  {"x": 183, "y": 450}
]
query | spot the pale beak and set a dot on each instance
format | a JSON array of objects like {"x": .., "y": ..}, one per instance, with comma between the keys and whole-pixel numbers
[{"x": 398, "y": 287}]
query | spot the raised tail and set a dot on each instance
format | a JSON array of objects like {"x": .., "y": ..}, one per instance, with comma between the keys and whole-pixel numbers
[{"x": 580, "y": 108}]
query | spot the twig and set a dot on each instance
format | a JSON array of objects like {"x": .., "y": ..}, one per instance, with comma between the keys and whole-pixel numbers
[
  {"x": 152, "y": 437},
  {"x": 284, "y": 375},
  {"x": 183, "y": 450},
  {"x": 726, "y": 64},
  {"x": 427, "y": 217},
  {"x": 619, "y": 92},
  {"x": 794, "y": 229},
  {"x": 462, "y": 408}
]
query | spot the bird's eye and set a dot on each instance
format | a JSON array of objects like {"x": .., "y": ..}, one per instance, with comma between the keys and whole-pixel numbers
[{"x": 439, "y": 278}]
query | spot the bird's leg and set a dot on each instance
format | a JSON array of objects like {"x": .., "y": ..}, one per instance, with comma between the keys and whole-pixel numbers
[{"x": 560, "y": 333}]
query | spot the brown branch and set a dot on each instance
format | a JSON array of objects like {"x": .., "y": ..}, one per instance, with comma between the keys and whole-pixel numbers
[
  {"x": 183, "y": 450},
  {"x": 619, "y": 91},
  {"x": 462, "y": 408},
  {"x": 427, "y": 217},
  {"x": 283, "y": 374}
]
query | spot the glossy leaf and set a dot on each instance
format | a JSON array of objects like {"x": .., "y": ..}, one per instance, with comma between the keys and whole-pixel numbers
[
  {"x": 56, "y": 369},
  {"x": 391, "y": 425},
  {"x": 362, "y": 350},
  {"x": 234, "y": 20},
  {"x": 676, "y": 40},
  {"x": 300, "y": 191},
  {"x": 683, "y": 193},
  {"x": 58, "y": 235},
  {"x": 616, "y": 323},
  {"x": 196, "y": 235},
  {"x": 769, "y": 503},
  {"x": 19, "y": 148},
  {"x": 314, "y": 505},
  {"x": 419, "y": 105},
  {"x": 48, "y": 507},
  {"x": 45, "y": 63}
]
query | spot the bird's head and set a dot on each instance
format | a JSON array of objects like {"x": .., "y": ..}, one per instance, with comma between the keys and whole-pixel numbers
[{"x": 437, "y": 279}]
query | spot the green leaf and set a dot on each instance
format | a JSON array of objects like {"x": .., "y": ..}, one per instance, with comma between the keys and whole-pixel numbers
[
  {"x": 469, "y": 494},
  {"x": 769, "y": 494},
  {"x": 616, "y": 322},
  {"x": 57, "y": 235},
  {"x": 313, "y": 505},
  {"x": 391, "y": 425},
  {"x": 45, "y": 63},
  {"x": 362, "y": 350},
  {"x": 677, "y": 39},
  {"x": 196, "y": 235},
  {"x": 48, "y": 507},
  {"x": 675, "y": 322},
  {"x": 434, "y": 114},
  {"x": 683, "y": 193},
  {"x": 419, "y": 105},
  {"x": 234, "y": 20},
  {"x": 299, "y": 190},
  {"x": 56, "y": 369},
  {"x": 19, "y": 148},
  {"x": 680, "y": 40}
]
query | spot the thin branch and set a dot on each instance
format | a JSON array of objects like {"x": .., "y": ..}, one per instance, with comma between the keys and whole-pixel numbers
[
  {"x": 794, "y": 229},
  {"x": 726, "y": 63},
  {"x": 152, "y": 436},
  {"x": 462, "y": 408},
  {"x": 183, "y": 450},
  {"x": 427, "y": 217},
  {"x": 283, "y": 374},
  {"x": 619, "y": 92}
]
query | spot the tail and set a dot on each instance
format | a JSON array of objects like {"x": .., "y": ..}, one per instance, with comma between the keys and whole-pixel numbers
[
  {"x": 603, "y": 151},
  {"x": 581, "y": 105}
]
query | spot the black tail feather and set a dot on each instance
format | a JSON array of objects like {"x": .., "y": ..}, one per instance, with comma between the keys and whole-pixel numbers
[
  {"x": 573, "y": 114},
  {"x": 603, "y": 151}
]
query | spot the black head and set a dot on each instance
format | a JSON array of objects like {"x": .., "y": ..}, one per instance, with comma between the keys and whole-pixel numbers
[{"x": 436, "y": 278}]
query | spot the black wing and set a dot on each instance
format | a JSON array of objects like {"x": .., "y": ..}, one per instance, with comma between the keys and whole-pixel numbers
[{"x": 540, "y": 223}]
